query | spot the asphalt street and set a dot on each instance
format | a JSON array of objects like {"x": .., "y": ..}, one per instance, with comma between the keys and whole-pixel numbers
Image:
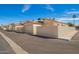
[
  {"x": 5, "y": 47},
  {"x": 41, "y": 45}
]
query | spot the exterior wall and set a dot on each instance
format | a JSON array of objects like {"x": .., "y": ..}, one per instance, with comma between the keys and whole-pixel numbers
[
  {"x": 10, "y": 27},
  {"x": 19, "y": 28},
  {"x": 35, "y": 26},
  {"x": 65, "y": 32},
  {"x": 28, "y": 29},
  {"x": 48, "y": 31},
  {"x": 3, "y": 27}
]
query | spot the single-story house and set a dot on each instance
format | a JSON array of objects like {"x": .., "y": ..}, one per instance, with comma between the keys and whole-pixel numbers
[
  {"x": 19, "y": 28},
  {"x": 10, "y": 27},
  {"x": 55, "y": 29}
]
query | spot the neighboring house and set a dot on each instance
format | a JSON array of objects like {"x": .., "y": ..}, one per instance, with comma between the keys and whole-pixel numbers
[
  {"x": 26, "y": 27},
  {"x": 4, "y": 27},
  {"x": 19, "y": 28},
  {"x": 30, "y": 27},
  {"x": 11, "y": 27}
]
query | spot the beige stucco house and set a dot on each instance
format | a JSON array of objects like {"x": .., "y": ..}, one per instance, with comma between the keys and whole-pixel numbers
[
  {"x": 10, "y": 27},
  {"x": 19, "y": 28},
  {"x": 55, "y": 29}
]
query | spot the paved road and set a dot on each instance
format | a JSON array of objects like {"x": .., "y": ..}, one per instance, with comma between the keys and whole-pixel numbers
[
  {"x": 38, "y": 45},
  {"x": 76, "y": 37},
  {"x": 5, "y": 47},
  {"x": 16, "y": 48}
]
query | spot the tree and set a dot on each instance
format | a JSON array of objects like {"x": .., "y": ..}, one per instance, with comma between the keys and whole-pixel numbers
[
  {"x": 70, "y": 24},
  {"x": 39, "y": 19}
]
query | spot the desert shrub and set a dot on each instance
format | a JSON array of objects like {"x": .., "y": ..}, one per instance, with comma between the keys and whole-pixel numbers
[{"x": 70, "y": 24}]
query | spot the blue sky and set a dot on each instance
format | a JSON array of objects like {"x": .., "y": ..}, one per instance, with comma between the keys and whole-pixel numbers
[{"x": 11, "y": 13}]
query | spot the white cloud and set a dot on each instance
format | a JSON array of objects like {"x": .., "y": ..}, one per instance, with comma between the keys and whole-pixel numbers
[
  {"x": 73, "y": 9},
  {"x": 64, "y": 19},
  {"x": 26, "y": 7},
  {"x": 72, "y": 12},
  {"x": 49, "y": 7}
]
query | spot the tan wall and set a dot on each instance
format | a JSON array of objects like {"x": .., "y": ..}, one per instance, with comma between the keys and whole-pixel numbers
[
  {"x": 28, "y": 29},
  {"x": 63, "y": 32},
  {"x": 19, "y": 28},
  {"x": 49, "y": 31},
  {"x": 66, "y": 32},
  {"x": 10, "y": 27},
  {"x": 65, "y": 29}
]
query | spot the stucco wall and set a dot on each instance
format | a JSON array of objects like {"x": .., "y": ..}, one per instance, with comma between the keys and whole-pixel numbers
[
  {"x": 65, "y": 32},
  {"x": 19, "y": 29},
  {"x": 11, "y": 27},
  {"x": 48, "y": 31},
  {"x": 28, "y": 29}
]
